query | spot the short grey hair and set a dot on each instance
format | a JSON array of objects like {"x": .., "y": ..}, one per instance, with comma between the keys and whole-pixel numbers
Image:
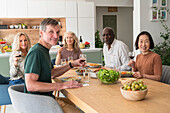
[{"x": 48, "y": 21}]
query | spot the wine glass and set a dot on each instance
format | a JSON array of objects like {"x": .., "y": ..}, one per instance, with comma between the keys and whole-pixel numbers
[
  {"x": 61, "y": 44},
  {"x": 19, "y": 53},
  {"x": 83, "y": 57},
  {"x": 131, "y": 55}
]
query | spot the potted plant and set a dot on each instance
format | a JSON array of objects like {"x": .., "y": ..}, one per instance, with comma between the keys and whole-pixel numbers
[
  {"x": 98, "y": 42},
  {"x": 163, "y": 48}
]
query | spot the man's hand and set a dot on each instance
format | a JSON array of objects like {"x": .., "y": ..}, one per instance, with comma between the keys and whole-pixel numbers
[
  {"x": 71, "y": 84},
  {"x": 77, "y": 63}
]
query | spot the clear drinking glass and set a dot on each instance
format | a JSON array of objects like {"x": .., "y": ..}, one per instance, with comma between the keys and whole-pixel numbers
[
  {"x": 63, "y": 61},
  {"x": 86, "y": 76},
  {"x": 70, "y": 59}
]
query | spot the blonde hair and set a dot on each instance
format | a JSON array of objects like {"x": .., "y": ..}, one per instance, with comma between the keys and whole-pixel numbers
[
  {"x": 75, "y": 43},
  {"x": 16, "y": 43}
]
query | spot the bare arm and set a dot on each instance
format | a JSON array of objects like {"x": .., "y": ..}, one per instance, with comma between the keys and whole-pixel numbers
[
  {"x": 35, "y": 86},
  {"x": 58, "y": 57},
  {"x": 58, "y": 71}
]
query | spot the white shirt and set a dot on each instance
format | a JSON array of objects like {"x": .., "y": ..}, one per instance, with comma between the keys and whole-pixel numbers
[{"x": 117, "y": 56}]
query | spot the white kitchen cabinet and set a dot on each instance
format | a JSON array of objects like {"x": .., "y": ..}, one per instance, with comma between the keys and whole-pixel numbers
[
  {"x": 17, "y": 8},
  {"x": 71, "y": 9},
  {"x": 3, "y": 9},
  {"x": 86, "y": 9},
  {"x": 86, "y": 30},
  {"x": 71, "y": 25},
  {"x": 37, "y": 8},
  {"x": 56, "y": 8}
]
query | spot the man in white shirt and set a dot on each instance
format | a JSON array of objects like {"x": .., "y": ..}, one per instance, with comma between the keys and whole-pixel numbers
[{"x": 115, "y": 51}]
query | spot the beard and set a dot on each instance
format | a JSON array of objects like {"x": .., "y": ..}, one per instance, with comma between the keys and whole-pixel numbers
[{"x": 108, "y": 41}]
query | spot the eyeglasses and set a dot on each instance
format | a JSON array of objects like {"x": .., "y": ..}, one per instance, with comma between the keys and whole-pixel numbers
[{"x": 106, "y": 35}]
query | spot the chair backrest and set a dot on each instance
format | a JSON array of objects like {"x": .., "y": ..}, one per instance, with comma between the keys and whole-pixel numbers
[
  {"x": 32, "y": 103},
  {"x": 165, "y": 78},
  {"x": 4, "y": 95}
]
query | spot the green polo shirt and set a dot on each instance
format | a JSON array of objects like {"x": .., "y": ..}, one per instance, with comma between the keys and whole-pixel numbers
[{"x": 38, "y": 61}]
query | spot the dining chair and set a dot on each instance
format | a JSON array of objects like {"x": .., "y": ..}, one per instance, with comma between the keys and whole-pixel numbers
[
  {"x": 32, "y": 103},
  {"x": 165, "y": 78},
  {"x": 4, "y": 96}
]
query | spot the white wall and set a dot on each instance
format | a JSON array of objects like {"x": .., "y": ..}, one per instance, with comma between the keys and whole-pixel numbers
[
  {"x": 145, "y": 16},
  {"x": 124, "y": 23},
  {"x": 119, "y": 3}
]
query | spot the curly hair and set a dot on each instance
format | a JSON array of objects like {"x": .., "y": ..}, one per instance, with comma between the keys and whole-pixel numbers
[{"x": 75, "y": 43}]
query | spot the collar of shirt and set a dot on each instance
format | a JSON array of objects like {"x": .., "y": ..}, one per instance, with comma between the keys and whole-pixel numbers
[{"x": 111, "y": 48}]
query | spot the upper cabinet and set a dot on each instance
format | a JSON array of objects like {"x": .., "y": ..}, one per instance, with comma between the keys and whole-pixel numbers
[
  {"x": 3, "y": 9},
  {"x": 86, "y": 9},
  {"x": 71, "y": 9},
  {"x": 71, "y": 25},
  {"x": 17, "y": 8},
  {"x": 37, "y": 8},
  {"x": 56, "y": 8}
]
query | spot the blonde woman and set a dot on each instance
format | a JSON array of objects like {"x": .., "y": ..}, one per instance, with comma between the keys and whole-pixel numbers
[
  {"x": 70, "y": 48},
  {"x": 21, "y": 46}
]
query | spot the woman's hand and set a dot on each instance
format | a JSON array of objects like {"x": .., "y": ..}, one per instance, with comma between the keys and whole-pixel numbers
[
  {"x": 131, "y": 63},
  {"x": 60, "y": 50},
  {"x": 137, "y": 75},
  {"x": 16, "y": 58}
]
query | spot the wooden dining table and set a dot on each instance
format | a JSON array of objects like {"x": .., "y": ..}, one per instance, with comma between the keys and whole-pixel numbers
[{"x": 103, "y": 98}]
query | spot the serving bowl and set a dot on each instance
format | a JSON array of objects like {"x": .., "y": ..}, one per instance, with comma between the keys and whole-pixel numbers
[
  {"x": 108, "y": 76},
  {"x": 133, "y": 95},
  {"x": 126, "y": 80}
]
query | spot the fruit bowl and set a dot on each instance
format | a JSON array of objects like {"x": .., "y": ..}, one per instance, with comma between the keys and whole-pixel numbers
[{"x": 133, "y": 95}]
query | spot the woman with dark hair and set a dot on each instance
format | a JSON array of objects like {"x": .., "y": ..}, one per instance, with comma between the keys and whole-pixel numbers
[{"x": 148, "y": 64}]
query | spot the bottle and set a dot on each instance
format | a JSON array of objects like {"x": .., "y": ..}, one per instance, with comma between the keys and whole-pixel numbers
[
  {"x": 81, "y": 45},
  {"x": 81, "y": 40}
]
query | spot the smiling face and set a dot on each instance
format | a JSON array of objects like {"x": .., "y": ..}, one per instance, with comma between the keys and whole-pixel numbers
[
  {"x": 23, "y": 42},
  {"x": 144, "y": 44},
  {"x": 69, "y": 39},
  {"x": 108, "y": 36},
  {"x": 50, "y": 36}
]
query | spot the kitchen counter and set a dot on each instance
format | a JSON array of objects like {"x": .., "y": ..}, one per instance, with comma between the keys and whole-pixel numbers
[
  {"x": 94, "y": 55},
  {"x": 53, "y": 50}
]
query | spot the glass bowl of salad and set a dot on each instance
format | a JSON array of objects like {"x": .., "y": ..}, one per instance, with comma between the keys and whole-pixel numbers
[{"x": 108, "y": 76}]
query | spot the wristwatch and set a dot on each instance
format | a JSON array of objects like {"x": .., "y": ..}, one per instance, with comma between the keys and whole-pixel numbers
[{"x": 70, "y": 65}]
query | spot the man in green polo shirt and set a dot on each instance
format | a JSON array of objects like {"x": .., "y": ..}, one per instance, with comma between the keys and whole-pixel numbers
[{"x": 38, "y": 67}]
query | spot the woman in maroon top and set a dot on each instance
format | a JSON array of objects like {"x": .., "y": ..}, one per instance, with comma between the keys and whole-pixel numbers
[
  {"x": 148, "y": 64},
  {"x": 70, "y": 48}
]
